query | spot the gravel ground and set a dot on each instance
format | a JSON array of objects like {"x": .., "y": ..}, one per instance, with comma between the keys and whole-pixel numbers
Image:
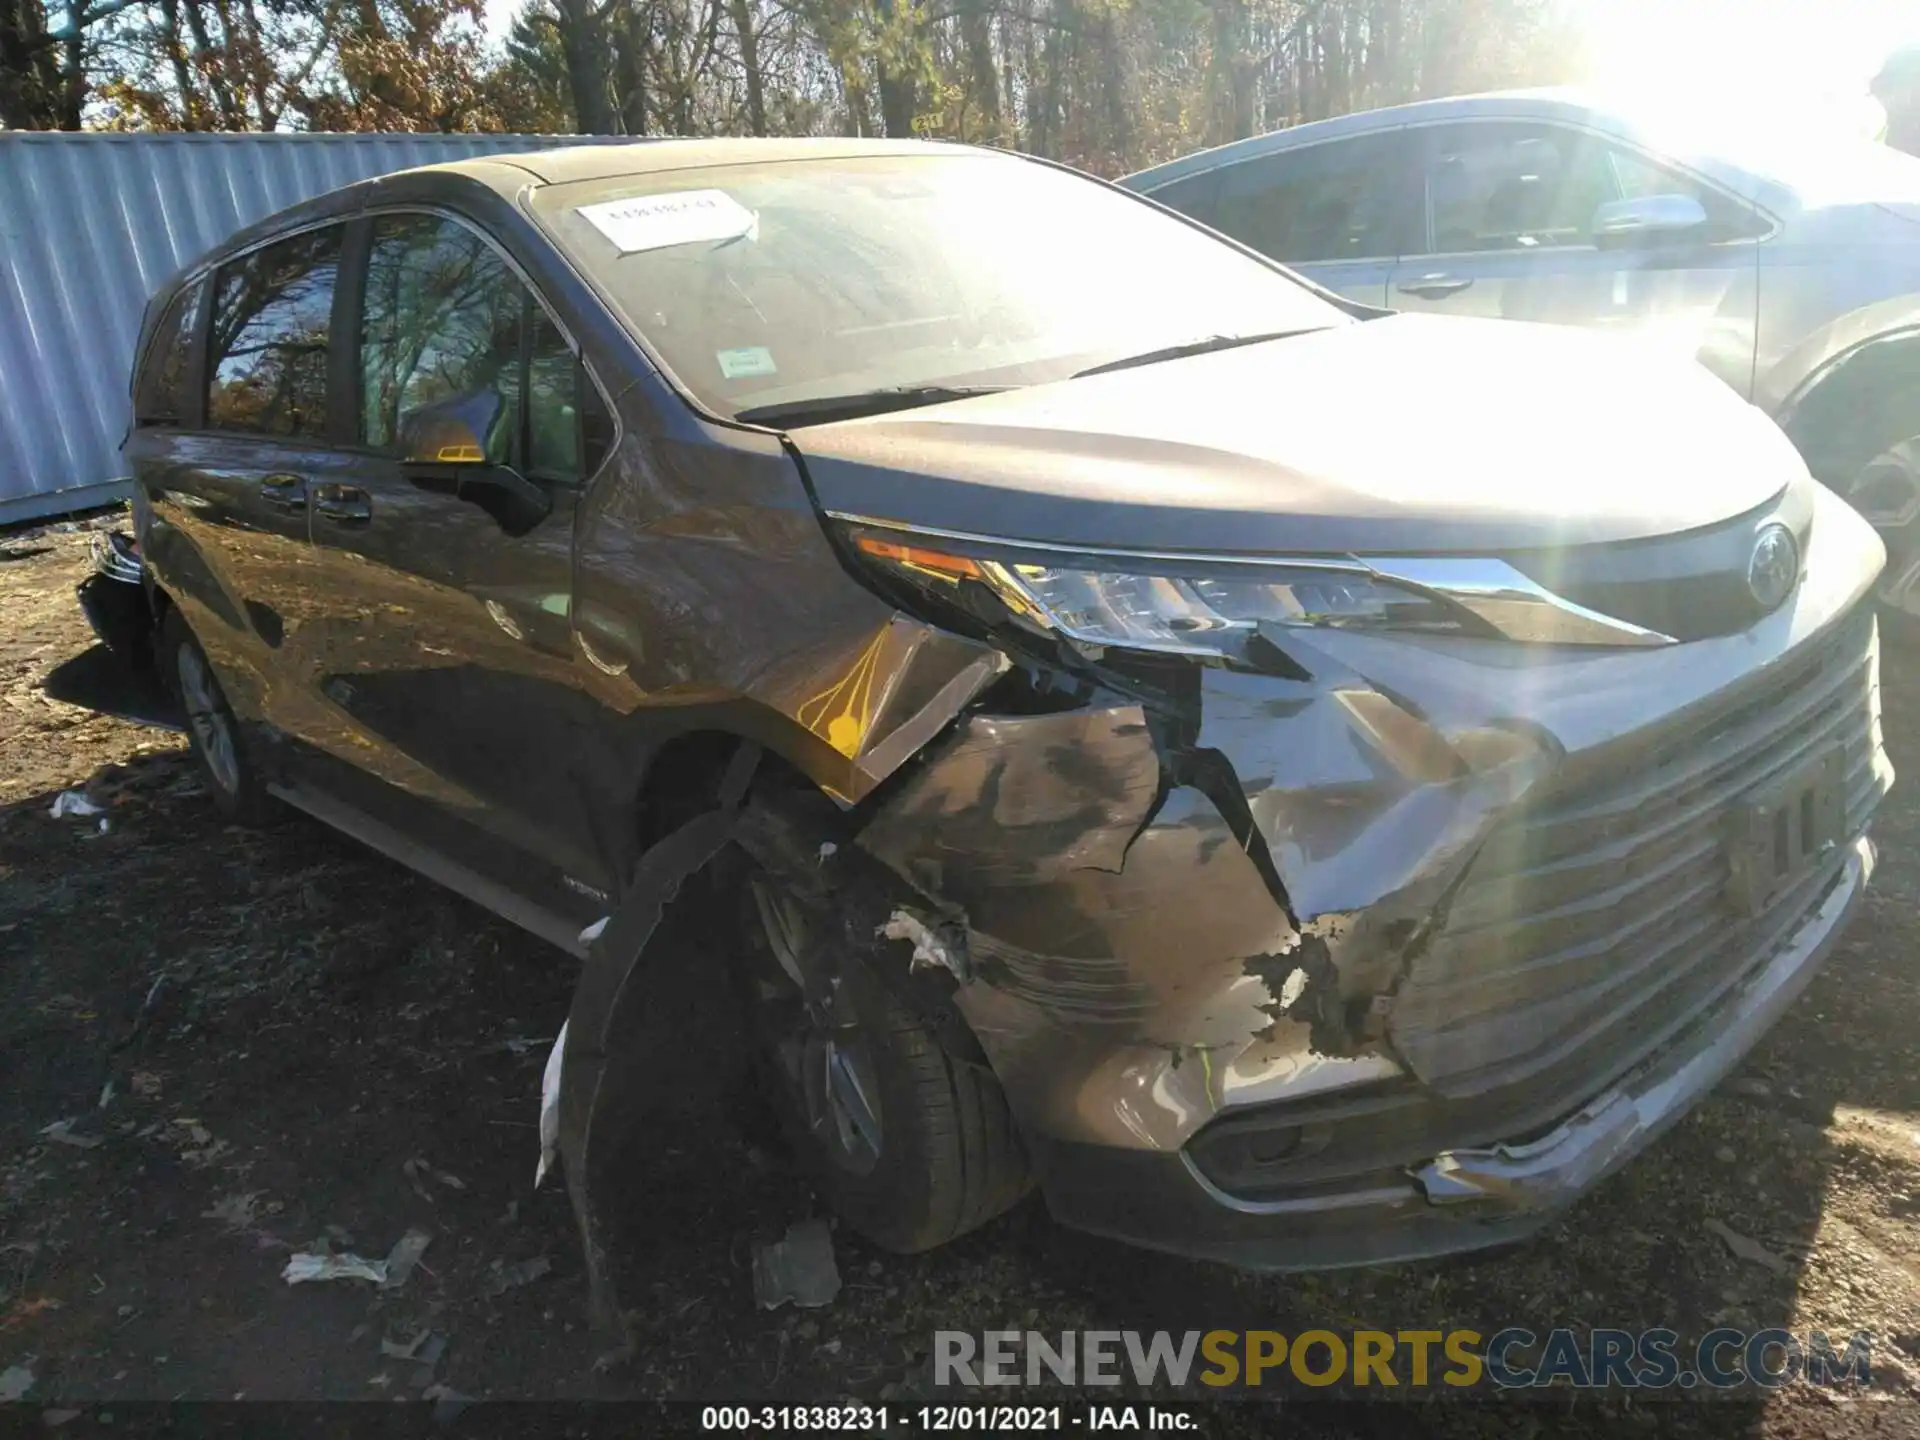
[{"x": 303, "y": 1041}]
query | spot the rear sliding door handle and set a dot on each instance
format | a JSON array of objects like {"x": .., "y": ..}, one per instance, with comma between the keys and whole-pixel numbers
[
  {"x": 343, "y": 504},
  {"x": 285, "y": 492},
  {"x": 1435, "y": 287}
]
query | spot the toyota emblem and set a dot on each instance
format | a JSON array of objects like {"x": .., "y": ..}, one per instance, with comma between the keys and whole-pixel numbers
[{"x": 1775, "y": 567}]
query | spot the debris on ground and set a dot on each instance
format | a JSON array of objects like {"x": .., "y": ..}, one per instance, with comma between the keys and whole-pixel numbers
[
  {"x": 799, "y": 1268},
  {"x": 324, "y": 1265},
  {"x": 74, "y": 802},
  {"x": 426, "y": 1347},
  {"x": 15, "y": 1382},
  {"x": 502, "y": 1277},
  {"x": 236, "y": 1211},
  {"x": 145, "y": 1084},
  {"x": 405, "y": 1254},
  {"x": 550, "y": 1107},
  {"x": 61, "y": 1133},
  {"x": 1747, "y": 1249},
  {"x": 418, "y": 1172},
  {"x": 447, "y": 1403}
]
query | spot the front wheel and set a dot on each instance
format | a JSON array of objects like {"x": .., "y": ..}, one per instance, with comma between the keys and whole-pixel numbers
[
  {"x": 1886, "y": 492},
  {"x": 212, "y": 731},
  {"x": 912, "y": 1146}
]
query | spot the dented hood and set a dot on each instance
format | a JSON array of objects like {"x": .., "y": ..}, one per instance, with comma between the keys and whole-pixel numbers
[{"x": 1412, "y": 433}]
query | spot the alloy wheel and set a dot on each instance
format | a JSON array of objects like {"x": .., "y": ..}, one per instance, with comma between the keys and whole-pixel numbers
[
  {"x": 808, "y": 1018},
  {"x": 207, "y": 715}
]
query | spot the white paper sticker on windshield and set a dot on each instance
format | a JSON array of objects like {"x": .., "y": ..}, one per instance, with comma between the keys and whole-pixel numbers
[
  {"x": 685, "y": 217},
  {"x": 750, "y": 360}
]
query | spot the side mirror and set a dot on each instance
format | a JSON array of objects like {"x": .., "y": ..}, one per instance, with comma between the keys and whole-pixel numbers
[
  {"x": 453, "y": 431},
  {"x": 1649, "y": 220}
]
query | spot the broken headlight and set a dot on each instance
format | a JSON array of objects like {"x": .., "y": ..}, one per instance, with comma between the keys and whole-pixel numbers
[{"x": 1170, "y": 606}]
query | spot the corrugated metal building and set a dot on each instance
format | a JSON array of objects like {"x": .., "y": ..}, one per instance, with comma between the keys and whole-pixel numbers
[{"x": 90, "y": 225}]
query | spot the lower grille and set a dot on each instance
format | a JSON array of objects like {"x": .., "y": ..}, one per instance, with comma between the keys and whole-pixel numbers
[{"x": 1593, "y": 925}]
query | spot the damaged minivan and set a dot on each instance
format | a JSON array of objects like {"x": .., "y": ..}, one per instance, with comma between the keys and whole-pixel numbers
[{"x": 1300, "y": 785}]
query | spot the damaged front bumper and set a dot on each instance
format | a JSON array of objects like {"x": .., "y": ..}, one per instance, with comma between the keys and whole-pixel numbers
[
  {"x": 1398, "y": 952},
  {"x": 1459, "y": 1200}
]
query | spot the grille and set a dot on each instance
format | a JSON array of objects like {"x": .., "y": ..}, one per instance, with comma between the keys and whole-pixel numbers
[
  {"x": 1591, "y": 928},
  {"x": 1602, "y": 910}
]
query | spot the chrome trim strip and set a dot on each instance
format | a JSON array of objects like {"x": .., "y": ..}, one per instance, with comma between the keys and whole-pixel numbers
[
  {"x": 1492, "y": 590},
  {"x": 1517, "y": 607}
]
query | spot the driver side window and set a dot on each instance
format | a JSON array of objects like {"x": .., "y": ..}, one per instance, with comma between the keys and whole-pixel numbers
[{"x": 445, "y": 315}]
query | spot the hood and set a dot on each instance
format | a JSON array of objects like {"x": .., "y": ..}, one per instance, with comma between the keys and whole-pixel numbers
[{"x": 1413, "y": 433}]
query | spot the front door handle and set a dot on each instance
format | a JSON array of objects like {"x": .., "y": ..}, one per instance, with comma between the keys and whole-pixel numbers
[
  {"x": 343, "y": 504},
  {"x": 1435, "y": 287},
  {"x": 285, "y": 492}
]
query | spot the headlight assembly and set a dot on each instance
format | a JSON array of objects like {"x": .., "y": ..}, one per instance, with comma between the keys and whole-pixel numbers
[{"x": 1174, "y": 607}]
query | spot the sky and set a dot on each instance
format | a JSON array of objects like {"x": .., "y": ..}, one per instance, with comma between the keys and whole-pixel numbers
[{"x": 1789, "y": 55}]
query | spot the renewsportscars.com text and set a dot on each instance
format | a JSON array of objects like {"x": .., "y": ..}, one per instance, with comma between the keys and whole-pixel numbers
[{"x": 1511, "y": 1358}]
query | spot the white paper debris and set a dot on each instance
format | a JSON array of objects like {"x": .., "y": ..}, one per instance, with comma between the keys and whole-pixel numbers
[
  {"x": 72, "y": 802},
  {"x": 310, "y": 1266},
  {"x": 928, "y": 948},
  {"x": 684, "y": 217},
  {"x": 594, "y": 931},
  {"x": 550, "y": 1106},
  {"x": 15, "y": 1382}
]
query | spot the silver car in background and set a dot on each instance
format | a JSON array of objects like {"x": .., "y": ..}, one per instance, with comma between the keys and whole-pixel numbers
[{"x": 1788, "y": 264}]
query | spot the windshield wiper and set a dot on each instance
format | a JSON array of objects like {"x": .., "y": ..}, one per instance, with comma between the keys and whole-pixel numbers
[
  {"x": 822, "y": 409},
  {"x": 1190, "y": 347}
]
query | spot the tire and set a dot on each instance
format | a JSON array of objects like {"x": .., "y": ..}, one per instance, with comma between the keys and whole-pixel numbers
[
  {"x": 943, "y": 1156},
  {"x": 1886, "y": 491},
  {"x": 215, "y": 736}
]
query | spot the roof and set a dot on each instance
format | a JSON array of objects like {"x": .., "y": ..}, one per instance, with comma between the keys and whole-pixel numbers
[
  {"x": 653, "y": 157},
  {"x": 1550, "y": 103}
]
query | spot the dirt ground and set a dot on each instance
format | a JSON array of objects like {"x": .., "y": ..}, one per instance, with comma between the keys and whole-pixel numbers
[{"x": 264, "y": 1039}]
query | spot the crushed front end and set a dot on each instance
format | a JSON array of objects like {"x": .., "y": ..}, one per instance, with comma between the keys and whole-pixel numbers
[{"x": 1391, "y": 945}]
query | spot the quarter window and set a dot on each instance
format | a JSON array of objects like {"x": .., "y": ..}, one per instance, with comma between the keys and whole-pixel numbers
[
  {"x": 1341, "y": 200},
  {"x": 446, "y": 316},
  {"x": 272, "y": 314},
  {"x": 160, "y": 397}
]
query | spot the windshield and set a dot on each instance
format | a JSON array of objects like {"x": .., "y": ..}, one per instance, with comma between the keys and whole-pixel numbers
[{"x": 771, "y": 284}]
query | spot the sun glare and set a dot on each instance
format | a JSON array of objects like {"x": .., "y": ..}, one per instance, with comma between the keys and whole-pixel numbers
[{"x": 1801, "y": 62}]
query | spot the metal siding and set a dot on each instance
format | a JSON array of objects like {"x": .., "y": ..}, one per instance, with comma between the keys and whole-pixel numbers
[{"x": 92, "y": 224}]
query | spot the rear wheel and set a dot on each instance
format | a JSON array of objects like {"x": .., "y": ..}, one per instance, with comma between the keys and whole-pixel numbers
[
  {"x": 912, "y": 1146},
  {"x": 212, "y": 731}
]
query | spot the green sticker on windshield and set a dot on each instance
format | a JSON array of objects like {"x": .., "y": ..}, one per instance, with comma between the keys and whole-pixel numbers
[{"x": 752, "y": 360}]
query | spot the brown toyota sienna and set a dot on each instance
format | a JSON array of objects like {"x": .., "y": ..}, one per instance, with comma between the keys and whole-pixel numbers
[{"x": 1304, "y": 786}]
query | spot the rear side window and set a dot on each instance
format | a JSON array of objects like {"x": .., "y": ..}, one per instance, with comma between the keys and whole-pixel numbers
[
  {"x": 267, "y": 351},
  {"x": 1342, "y": 200},
  {"x": 160, "y": 393}
]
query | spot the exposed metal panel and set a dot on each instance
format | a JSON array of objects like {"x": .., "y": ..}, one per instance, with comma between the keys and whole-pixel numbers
[{"x": 91, "y": 225}]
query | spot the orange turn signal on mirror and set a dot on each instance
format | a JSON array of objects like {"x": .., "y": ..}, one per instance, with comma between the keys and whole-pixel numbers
[{"x": 938, "y": 562}]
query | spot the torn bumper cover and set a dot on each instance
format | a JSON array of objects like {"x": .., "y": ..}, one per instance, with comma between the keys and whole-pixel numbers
[
  {"x": 1397, "y": 953},
  {"x": 1462, "y": 1199}
]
